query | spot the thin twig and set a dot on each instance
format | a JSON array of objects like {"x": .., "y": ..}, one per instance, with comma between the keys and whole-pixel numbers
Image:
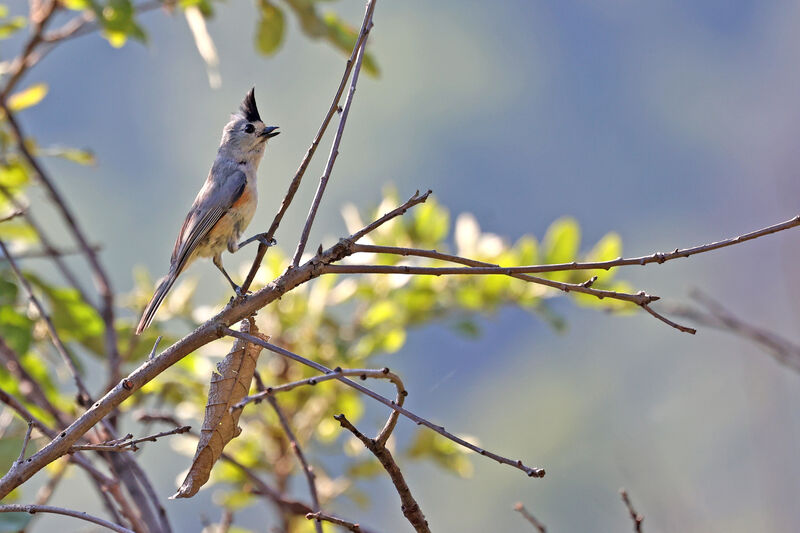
[
  {"x": 640, "y": 298},
  {"x": 25, "y": 442},
  {"x": 635, "y": 517},
  {"x": 33, "y": 509},
  {"x": 128, "y": 443},
  {"x": 319, "y": 516},
  {"x": 323, "y": 182},
  {"x": 409, "y": 505},
  {"x": 12, "y": 215},
  {"x": 363, "y": 373},
  {"x": 518, "y": 507},
  {"x": 666, "y": 320},
  {"x": 531, "y": 472},
  {"x": 83, "y": 392},
  {"x": 298, "y": 451},
  {"x": 295, "y": 184}
]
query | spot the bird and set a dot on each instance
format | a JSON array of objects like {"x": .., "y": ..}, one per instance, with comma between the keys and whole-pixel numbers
[{"x": 224, "y": 206}]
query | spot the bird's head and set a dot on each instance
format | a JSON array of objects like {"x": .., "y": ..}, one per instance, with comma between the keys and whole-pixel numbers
[{"x": 245, "y": 136}]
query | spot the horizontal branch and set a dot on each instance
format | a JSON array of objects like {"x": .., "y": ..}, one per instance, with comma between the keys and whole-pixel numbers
[
  {"x": 336, "y": 373},
  {"x": 531, "y": 472},
  {"x": 658, "y": 257},
  {"x": 33, "y": 509},
  {"x": 640, "y": 298}
]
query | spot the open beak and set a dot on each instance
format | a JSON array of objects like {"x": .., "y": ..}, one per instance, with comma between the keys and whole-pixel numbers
[{"x": 270, "y": 131}]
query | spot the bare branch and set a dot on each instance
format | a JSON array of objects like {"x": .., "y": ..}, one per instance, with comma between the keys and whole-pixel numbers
[
  {"x": 635, "y": 517},
  {"x": 658, "y": 257},
  {"x": 666, "y": 320},
  {"x": 410, "y": 507},
  {"x": 295, "y": 184},
  {"x": 640, "y": 298},
  {"x": 320, "y": 516},
  {"x": 518, "y": 507},
  {"x": 323, "y": 182},
  {"x": 33, "y": 509},
  {"x": 531, "y": 472},
  {"x": 128, "y": 443},
  {"x": 309, "y": 473},
  {"x": 12, "y": 215},
  {"x": 363, "y": 373}
]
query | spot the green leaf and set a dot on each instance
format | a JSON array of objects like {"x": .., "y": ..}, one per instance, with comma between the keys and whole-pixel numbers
[
  {"x": 28, "y": 97},
  {"x": 561, "y": 244},
  {"x": 270, "y": 29}
]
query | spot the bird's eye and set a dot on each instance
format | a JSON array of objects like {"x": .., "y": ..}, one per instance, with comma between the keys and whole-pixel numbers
[{"x": 249, "y": 128}]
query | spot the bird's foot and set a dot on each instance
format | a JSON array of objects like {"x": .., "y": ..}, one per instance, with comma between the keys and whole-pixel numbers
[{"x": 260, "y": 237}]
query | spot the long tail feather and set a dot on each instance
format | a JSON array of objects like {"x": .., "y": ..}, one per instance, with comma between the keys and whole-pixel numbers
[{"x": 161, "y": 292}]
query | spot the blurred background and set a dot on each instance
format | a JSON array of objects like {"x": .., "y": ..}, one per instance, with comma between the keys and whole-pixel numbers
[{"x": 671, "y": 123}]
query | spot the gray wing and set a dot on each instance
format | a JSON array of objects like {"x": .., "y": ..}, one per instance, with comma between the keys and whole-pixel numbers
[{"x": 209, "y": 207}]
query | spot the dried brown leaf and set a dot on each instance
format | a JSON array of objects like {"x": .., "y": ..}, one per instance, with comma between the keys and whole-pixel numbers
[{"x": 228, "y": 386}]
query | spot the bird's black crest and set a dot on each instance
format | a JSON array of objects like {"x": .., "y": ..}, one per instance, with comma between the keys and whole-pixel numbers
[{"x": 248, "y": 107}]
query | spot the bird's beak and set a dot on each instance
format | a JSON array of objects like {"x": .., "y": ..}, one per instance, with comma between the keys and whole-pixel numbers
[{"x": 270, "y": 131}]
